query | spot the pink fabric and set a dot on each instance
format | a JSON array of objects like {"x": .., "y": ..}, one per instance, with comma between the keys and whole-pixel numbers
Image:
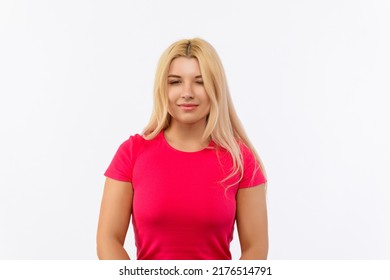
[{"x": 180, "y": 208}]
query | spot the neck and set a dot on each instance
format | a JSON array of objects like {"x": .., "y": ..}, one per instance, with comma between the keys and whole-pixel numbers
[{"x": 186, "y": 136}]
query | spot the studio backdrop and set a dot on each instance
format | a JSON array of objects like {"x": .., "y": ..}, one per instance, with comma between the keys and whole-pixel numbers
[{"x": 309, "y": 79}]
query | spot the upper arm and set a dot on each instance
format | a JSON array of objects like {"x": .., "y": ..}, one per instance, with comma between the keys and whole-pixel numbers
[
  {"x": 115, "y": 210},
  {"x": 252, "y": 222}
]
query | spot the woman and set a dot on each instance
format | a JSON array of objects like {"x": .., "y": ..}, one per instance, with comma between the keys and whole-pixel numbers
[{"x": 190, "y": 175}]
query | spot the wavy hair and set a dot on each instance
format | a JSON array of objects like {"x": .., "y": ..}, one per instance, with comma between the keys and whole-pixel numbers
[{"x": 223, "y": 125}]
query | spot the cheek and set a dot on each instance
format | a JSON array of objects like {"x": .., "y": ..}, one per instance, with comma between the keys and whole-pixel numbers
[
  {"x": 171, "y": 99},
  {"x": 206, "y": 100},
  {"x": 172, "y": 95},
  {"x": 172, "y": 107},
  {"x": 202, "y": 94}
]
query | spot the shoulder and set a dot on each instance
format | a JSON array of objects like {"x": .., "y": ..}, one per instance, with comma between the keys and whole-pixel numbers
[
  {"x": 131, "y": 145},
  {"x": 240, "y": 149},
  {"x": 138, "y": 142},
  {"x": 134, "y": 140},
  {"x": 244, "y": 149},
  {"x": 137, "y": 139},
  {"x": 248, "y": 157}
]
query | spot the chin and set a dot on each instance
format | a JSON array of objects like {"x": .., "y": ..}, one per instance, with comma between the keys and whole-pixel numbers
[{"x": 189, "y": 121}]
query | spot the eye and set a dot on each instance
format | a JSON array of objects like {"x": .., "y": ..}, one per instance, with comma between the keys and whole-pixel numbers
[
  {"x": 200, "y": 82},
  {"x": 174, "y": 82}
]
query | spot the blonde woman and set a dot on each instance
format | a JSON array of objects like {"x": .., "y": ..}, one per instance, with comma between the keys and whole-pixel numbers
[{"x": 190, "y": 175}]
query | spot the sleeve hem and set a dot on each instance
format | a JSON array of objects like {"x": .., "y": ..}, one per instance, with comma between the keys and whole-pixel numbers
[
  {"x": 118, "y": 178},
  {"x": 254, "y": 184}
]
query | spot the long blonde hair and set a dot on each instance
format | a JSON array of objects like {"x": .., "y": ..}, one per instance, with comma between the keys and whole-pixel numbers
[{"x": 223, "y": 125}]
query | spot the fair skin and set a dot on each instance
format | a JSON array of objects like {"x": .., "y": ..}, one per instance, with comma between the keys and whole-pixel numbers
[
  {"x": 189, "y": 106},
  {"x": 252, "y": 222},
  {"x": 114, "y": 220},
  {"x": 185, "y": 88}
]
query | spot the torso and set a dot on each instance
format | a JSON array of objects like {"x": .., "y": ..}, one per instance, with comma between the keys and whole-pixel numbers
[{"x": 180, "y": 211}]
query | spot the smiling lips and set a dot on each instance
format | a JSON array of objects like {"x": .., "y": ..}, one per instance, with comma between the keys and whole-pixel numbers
[{"x": 188, "y": 106}]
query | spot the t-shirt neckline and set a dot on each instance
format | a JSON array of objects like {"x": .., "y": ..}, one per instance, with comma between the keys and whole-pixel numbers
[{"x": 162, "y": 135}]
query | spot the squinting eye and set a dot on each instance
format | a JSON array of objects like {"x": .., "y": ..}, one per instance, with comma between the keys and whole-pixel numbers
[
  {"x": 174, "y": 82},
  {"x": 199, "y": 82}
]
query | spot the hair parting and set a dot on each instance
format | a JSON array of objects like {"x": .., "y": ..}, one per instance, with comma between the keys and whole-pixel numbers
[{"x": 188, "y": 48}]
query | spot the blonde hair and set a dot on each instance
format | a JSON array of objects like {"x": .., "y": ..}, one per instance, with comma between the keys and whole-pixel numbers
[{"x": 223, "y": 125}]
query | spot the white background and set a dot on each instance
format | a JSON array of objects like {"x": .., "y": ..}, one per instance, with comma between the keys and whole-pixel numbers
[{"x": 309, "y": 80}]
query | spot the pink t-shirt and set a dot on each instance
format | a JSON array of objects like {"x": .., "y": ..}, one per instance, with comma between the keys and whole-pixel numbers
[{"x": 181, "y": 210}]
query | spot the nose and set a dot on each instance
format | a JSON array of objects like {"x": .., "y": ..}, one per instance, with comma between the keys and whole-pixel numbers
[{"x": 187, "y": 92}]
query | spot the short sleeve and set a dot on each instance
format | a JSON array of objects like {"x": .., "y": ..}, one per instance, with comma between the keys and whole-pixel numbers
[
  {"x": 253, "y": 175},
  {"x": 121, "y": 166}
]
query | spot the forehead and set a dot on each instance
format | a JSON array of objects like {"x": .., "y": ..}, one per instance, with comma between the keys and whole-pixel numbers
[{"x": 184, "y": 66}]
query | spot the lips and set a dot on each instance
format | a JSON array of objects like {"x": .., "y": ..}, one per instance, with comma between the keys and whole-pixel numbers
[{"x": 188, "y": 106}]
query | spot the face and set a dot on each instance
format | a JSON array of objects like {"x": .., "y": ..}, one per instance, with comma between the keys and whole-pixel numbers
[{"x": 188, "y": 102}]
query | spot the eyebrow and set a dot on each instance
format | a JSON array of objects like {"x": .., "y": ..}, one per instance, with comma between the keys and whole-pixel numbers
[{"x": 177, "y": 76}]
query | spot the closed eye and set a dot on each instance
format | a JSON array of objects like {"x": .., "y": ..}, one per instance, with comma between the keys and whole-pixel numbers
[{"x": 174, "y": 82}]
